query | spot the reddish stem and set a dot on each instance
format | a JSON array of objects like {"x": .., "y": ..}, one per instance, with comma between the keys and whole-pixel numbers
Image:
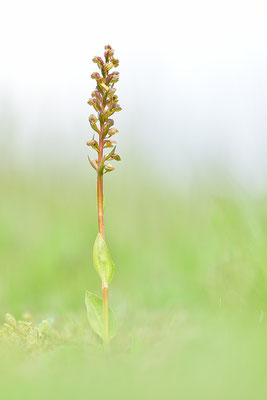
[{"x": 100, "y": 209}]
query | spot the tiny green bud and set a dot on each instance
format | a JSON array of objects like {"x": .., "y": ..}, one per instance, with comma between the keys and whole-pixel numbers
[
  {"x": 95, "y": 103},
  {"x": 110, "y": 154},
  {"x": 109, "y": 168},
  {"x": 111, "y": 92},
  {"x": 110, "y": 122},
  {"x": 96, "y": 76},
  {"x": 112, "y": 78},
  {"x": 114, "y": 108},
  {"x": 112, "y": 131},
  {"x": 115, "y": 62},
  {"x": 93, "y": 120},
  {"x": 114, "y": 99},
  {"x": 97, "y": 95},
  {"x": 109, "y": 143},
  {"x": 108, "y": 53},
  {"x": 118, "y": 108},
  {"x": 98, "y": 61},
  {"x": 93, "y": 143},
  {"x": 116, "y": 157}
]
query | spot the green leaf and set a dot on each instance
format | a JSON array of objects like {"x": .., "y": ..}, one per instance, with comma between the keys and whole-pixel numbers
[
  {"x": 94, "y": 305},
  {"x": 102, "y": 259}
]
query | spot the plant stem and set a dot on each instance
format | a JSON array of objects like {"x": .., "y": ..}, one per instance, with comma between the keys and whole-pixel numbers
[
  {"x": 100, "y": 210},
  {"x": 100, "y": 205},
  {"x": 105, "y": 313}
]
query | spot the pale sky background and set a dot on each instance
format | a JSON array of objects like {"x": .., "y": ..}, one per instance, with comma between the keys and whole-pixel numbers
[{"x": 193, "y": 82}]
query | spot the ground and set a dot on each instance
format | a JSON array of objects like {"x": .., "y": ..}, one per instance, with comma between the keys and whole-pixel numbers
[{"x": 189, "y": 290}]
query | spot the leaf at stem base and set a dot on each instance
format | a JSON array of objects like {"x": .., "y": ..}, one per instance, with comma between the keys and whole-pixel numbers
[{"x": 94, "y": 306}]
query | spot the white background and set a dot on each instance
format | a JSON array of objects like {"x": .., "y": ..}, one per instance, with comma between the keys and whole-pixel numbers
[{"x": 193, "y": 82}]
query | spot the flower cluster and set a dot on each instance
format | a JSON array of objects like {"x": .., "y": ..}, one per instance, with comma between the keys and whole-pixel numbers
[{"x": 105, "y": 102}]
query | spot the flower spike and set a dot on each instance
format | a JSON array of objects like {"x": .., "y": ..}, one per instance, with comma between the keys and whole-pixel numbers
[{"x": 105, "y": 103}]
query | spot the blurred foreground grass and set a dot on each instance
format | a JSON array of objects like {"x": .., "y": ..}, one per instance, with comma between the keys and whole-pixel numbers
[{"x": 189, "y": 293}]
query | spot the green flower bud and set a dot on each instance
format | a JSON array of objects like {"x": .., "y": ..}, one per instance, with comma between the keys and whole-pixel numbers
[
  {"x": 111, "y": 92},
  {"x": 115, "y": 62},
  {"x": 110, "y": 122},
  {"x": 95, "y": 103},
  {"x": 96, "y": 76},
  {"x": 93, "y": 120},
  {"x": 93, "y": 143},
  {"x": 110, "y": 154},
  {"x": 108, "y": 168},
  {"x": 110, "y": 112},
  {"x": 105, "y": 116},
  {"x": 118, "y": 108},
  {"x": 109, "y": 143},
  {"x": 98, "y": 61},
  {"x": 108, "y": 54},
  {"x": 112, "y": 132},
  {"x": 97, "y": 95},
  {"x": 116, "y": 157},
  {"x": 115, "y": 107},
  {"x": 112, "y": 78}
]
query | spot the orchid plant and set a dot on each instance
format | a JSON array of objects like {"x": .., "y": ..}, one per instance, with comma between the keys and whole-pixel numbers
[{"x": 105, "y": 102}]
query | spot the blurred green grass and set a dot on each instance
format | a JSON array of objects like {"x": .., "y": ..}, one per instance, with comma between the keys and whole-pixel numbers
[{"x": 189, "y": 289}]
